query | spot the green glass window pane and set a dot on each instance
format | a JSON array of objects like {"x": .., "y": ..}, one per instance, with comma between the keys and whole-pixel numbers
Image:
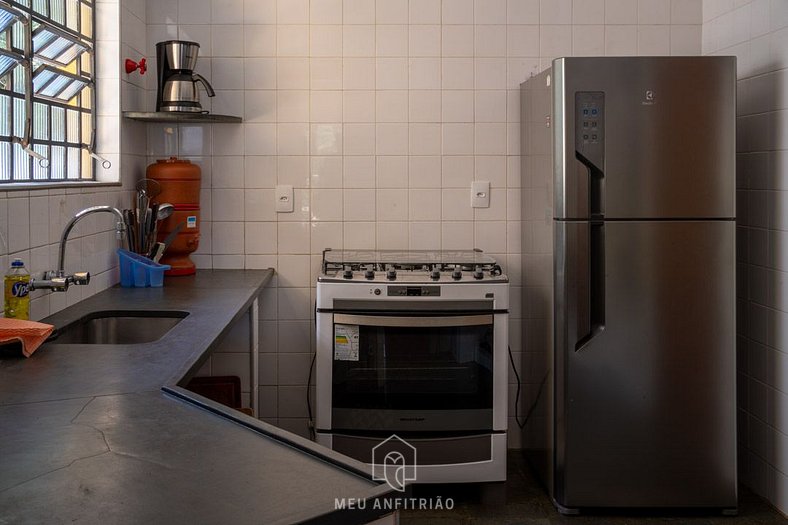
[
  {"x": 58, "y": 124},
  {"x": 72, "y": 15},
  {"x": 73, "y": 163},
  {"x": 57, "y": 11},
  {"x": 40, "y": 121},
  {"x": 18, "y": 80},
  {"x": 41, "y": 7},
  {"x": 72, "y": 126},
  {"x": 5, "y": 161},
  {"x": 40, "y": 172},
  {"x": 21, "y": 164},
  {"x": 5, "y": 115},
  {"x": 57, "y": 162},
  {"x": 19, "y": 117}
]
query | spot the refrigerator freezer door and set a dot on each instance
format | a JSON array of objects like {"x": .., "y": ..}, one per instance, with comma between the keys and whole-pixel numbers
[
  {"x": 667, "y": 147},
  {"x": 645, "y": 409}
]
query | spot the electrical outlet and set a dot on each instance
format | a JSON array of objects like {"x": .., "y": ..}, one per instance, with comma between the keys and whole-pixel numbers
[
  {"x": 480, "y": 194},
  {"x": 284, "y": 198}
]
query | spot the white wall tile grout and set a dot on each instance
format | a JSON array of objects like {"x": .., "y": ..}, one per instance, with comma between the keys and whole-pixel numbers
[{"x": 755, "y": 31}]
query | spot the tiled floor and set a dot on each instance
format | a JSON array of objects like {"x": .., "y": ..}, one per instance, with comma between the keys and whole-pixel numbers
[{"x": 528, "y": 504}]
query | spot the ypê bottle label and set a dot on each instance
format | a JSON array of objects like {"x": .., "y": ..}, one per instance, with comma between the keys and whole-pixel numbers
[
  {"x": 20, "y": 289},
  {"x": 17, "y": 292}
]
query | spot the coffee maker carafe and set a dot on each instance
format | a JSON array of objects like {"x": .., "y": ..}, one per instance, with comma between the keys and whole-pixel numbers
[{"x": 175, "y": 62}]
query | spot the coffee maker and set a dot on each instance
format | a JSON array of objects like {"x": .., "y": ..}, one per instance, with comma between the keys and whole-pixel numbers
[{"x": 175, "y": 62}]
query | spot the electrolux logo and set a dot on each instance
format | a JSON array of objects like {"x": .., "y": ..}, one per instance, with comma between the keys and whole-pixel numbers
[{"x": 649, "y": 98}]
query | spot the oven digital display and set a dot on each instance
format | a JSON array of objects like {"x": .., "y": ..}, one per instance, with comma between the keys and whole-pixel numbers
[{"x": 414, "y": 291}]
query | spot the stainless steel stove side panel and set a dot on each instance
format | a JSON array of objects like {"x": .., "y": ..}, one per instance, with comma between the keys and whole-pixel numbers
[
  {"x": 501, "y": 372},
  {"x": 324, "y": 360},
  {"x": 327, "y": 292}
]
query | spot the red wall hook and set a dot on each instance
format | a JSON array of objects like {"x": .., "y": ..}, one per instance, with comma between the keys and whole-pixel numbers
[{"x": 131, "y": 66}]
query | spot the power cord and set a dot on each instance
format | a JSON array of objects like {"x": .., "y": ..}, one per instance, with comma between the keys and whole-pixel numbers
[
  {"x": 517, "y": 395},
  {"x": 311, "y": 422}
]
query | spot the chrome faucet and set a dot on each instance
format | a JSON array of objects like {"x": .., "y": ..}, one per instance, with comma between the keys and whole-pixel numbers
[{"x": 57, "y": 280}]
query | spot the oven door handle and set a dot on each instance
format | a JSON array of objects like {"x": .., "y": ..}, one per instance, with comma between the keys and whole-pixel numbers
[{"x": 414, "y": 322}]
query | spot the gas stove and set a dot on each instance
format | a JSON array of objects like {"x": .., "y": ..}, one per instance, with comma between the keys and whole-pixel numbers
[
  {"x": 414, "y": 343},
  {"x": 409, "y": 266}
]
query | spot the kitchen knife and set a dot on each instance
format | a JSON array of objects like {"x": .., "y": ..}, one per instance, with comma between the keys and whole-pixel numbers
[{"x": 171, "y": 237}]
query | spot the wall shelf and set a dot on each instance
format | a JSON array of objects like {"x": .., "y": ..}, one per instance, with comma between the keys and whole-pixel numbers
[{"x": 181, "y": 118}]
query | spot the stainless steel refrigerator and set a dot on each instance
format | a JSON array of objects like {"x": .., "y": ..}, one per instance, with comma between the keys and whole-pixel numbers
[{"x": 631, "y": 163}]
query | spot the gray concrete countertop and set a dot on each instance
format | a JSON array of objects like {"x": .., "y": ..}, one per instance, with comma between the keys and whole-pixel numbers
[{"x": 104, "y": 434}]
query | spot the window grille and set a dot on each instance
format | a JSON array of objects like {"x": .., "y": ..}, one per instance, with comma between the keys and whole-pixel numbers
[{"x": 47, "y": 91}]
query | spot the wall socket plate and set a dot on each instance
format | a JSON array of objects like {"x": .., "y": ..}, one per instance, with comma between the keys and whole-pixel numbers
[
  {"x": 284, "y": 198},
  {"x": 480, "y": 194}
]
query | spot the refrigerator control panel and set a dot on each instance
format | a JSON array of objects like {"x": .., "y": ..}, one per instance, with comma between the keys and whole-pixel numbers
[{"x": 590, "y": 126}]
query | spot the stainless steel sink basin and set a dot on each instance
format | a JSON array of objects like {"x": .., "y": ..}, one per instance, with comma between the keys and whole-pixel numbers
[{"x": 118, "y": 328}]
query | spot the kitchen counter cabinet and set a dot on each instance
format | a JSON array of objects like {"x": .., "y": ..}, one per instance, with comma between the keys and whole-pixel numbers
[{"x": 104, "y": 433}]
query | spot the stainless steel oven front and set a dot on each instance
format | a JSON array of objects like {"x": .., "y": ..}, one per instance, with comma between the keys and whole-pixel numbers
[{"x": 430, "y": 368}]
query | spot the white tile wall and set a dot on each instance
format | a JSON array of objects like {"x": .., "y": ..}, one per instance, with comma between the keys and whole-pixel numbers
[
  {"x": 755, "y": 31},
  {"x": 380, "y": 113}
]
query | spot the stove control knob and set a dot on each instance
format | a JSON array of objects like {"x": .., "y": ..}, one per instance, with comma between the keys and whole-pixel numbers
[
  {"x": 478, "y": 274},
  {"x": 369, "y": 274},
  {"x": 457, "y": 273},
  {"x": 348, "y": 273},
  {"x": 391, "y": 274},
  {"x": 435, "y": 275}
]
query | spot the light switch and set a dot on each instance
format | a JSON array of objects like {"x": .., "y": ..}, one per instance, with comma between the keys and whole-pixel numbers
[
  {"x": 284, "y": 198},
  {"x": 480, "y": 194}
]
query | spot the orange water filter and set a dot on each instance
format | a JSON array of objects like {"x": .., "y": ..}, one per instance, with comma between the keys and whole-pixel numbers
[{"x": 180, "y": 186}]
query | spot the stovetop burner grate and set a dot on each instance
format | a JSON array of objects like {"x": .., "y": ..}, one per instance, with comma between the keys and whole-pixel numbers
[{"x": 407, "y": 260}]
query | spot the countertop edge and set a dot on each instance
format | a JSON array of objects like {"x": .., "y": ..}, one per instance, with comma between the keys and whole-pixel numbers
[{"x": 316, "y": 513}]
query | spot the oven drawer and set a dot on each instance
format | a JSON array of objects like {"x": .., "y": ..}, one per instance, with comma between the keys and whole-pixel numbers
[
  {"x": 429, "y": 451},
  {"x": 412, "y": 420}
]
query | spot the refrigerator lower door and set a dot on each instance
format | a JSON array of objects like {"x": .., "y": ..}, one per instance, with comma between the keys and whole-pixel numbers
[{"x": 645, "y": 401}]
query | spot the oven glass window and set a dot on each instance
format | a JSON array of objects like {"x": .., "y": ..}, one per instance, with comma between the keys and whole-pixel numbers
[{"x": 413, "y": 367}]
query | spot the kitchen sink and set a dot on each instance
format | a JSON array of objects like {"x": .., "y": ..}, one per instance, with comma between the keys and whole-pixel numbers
[{"x": 118, "y": 328}]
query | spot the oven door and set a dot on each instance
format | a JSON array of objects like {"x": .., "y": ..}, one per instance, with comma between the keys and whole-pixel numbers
[{"x": 400, "y": 373}]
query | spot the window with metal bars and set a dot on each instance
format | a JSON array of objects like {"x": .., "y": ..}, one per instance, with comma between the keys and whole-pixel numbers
[{"x": 47, "y": 91}]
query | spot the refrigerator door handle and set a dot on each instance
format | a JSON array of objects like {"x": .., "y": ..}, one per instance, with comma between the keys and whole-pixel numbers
[{"x": 590, "y": 287}]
